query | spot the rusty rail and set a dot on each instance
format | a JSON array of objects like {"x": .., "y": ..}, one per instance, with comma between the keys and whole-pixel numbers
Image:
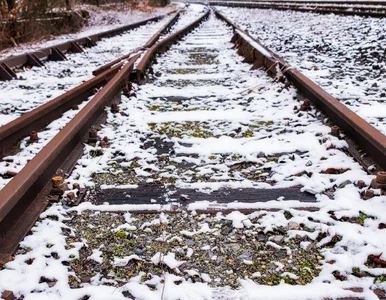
[
  {"x": 13, "y": 132},
  {"x": 56, "y": 52},
  {"x": 378, "y": 12},
  {"x": 17, "y": 195},
  {"x": 365, "y": 135},
  {"x": 350, "y": 2},
  {"x": 25, "y": 196},
  {"x": 149, "y": 43},
  {"x": 163, "y": 45},
  {"x": 36, "y": 119}
]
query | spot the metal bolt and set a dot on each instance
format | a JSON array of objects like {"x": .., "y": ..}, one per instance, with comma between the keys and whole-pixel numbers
[
  {"x": 33, "y": 137},
  {"x": 8, "y": 295},
  {"x": 381, "y": 177},
  {"x": 361, "y": 184},
  {"x": 335, "y": 130},
  {"x": 114, "y": 108},
  {"x": 103, "y": 144},
  {"x": 306, "y": 105},
  {"x": 58, "y": 186},
  {"x": 75, "y": 107},
  {"x": 127, "y": 89},
  {"x": 380, "y": 181},
  {"x": 57, "y": 181},
  {"x": 368, "y": 194},
  {"x": 11, "y": 173},
  {"x": 71, "y": 196},
  {"x": 92, "y": 135}
]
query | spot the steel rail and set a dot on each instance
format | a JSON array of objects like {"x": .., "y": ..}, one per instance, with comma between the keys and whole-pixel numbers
[
  {"x": 162, "y": 45},
  {"x": 56, "y": 52},
  {"x": 25, "y": 196},
  {"x": 316, "y": 2},
  {"x": 36, "y": 119},
  {"x": 19, "y": 193},
  {"x": 320, "y": 10},
  {"x": 365, "y": 135},
  {"x": 12, "y": 132},
  {"x": 149, "y": 43},
  {"x": 311, "y": 6}
]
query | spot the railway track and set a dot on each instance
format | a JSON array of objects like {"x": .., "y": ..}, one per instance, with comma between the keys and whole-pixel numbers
[
  {"x": 371, "y": 9},
  {"x": 186, "y": 128}
]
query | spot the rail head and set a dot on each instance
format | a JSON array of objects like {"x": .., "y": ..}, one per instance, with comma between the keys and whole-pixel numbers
[
  {"x": 162, "y": 44},
  {"x": 22, "y": 59},
  {"x": 367, "y": 137},
  {"x": 38, "y": 171}
]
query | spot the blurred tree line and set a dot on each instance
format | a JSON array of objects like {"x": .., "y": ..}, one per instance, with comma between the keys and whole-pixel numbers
[{"x": 12, "y": 9}]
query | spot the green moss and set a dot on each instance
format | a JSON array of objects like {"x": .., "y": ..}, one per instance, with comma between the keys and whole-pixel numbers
[
  {"x": 121, "y": 234},
  {"x": 154, "y": 107},
  {"x": 381, "y": 278},
  {"x": 247, "y": 133},
  {"x": 363, "y": 216}
]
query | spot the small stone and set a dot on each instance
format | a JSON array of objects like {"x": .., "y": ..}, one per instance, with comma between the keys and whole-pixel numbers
[
  {"x": 189, "y": 242},
  {"x": 233, "y": 246},
  {"x": 293, "y": 226},
  {"x": 139, "y": 251},
  {"x": 343, "y": 184},
  {"x": 261, "y": 237},
  {"x": 278, "y": 239},
  {"x": 86, "y": 279},
  {"x": 220, "y": 259},
  {"x": 246, "y": 256},
  {"x": 282, "y": 253},
  {"x": 226, "y": 230}
]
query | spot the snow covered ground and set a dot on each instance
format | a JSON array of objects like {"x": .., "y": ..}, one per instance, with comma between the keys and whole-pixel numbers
[
  {"x": 205, "y": 121},
  {"x": 42, "y": 84},
  {"x": 343, "y": 54},
  {"x": 39, "y": 85}
]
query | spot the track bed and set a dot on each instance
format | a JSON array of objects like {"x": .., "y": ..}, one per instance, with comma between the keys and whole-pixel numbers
[{"x": 213, "y": 181}]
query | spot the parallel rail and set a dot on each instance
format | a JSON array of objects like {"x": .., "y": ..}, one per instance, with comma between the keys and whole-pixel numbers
[
  {"x": 162, "y": 46},
  {"x": 57, "y": 52},
  {"x": 12, "y": 132},
  {"x": 25, "y": 196},
  {"x": 365, "y": 135},
  {"x": 358, "y": 2},
  {"x": 150, "y": 43},
  {"x": 360, "y": 10}
]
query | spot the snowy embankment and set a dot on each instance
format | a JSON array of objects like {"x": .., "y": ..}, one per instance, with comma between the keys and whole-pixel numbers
[{"x": 343, "y": 54}]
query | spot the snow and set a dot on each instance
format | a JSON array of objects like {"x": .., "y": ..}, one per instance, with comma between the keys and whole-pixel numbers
[
  {"x": 343, "y": 54},
  {"x": 295, "y": 148},
  {"x": 168, "y": 260},
  {"x": 37, "y": 86}
]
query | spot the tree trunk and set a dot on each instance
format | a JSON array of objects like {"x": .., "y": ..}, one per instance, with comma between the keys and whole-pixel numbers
[{"x": 10, "y": 4}]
